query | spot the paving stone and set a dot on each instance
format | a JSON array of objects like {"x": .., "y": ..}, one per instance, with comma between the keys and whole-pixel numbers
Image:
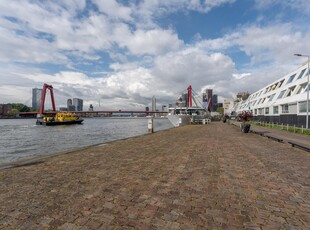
[{"x": 192, "y": 177}]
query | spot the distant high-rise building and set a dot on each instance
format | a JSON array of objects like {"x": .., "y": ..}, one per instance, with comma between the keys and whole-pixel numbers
[
  {"x": 147, "y": 109},
  {"x": 91, "y": 107},
  {"x": 153, "y": 103},
  {"x": 229, "y": 106},
  {"x": 207, "y": 100},
  {"x": 215, "y": 102},
  {"x": 69, "y": 102},
  {"x": 164, "y": 108},
  {"x": 36, "y": 98},
  {"x": 78, "y": 103},
  {"x": 70, "y": 107},
  {"x": 210, "y": 102},
  {"x": 243, "y": 95}
]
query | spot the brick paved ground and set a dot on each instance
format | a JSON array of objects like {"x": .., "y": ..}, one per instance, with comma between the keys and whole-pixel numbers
[{"x": 192, "y": 177}]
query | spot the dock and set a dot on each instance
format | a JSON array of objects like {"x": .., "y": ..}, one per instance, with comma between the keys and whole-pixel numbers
[{"x": 191, "y": 177}]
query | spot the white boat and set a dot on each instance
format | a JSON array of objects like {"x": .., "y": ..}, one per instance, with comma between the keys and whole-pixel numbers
[{"x": 183, "y": 112}]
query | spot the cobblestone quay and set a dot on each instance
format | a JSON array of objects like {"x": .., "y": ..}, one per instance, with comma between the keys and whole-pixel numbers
[{"x": 192, "y": 177}]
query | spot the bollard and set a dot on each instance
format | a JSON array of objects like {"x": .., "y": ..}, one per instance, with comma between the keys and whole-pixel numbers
[{"x": 150, "y": 125}]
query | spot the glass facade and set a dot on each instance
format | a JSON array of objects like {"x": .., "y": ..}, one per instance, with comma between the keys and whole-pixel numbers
[
  {"x": 36, "y": 99},
  {"x": 78, "y": 103}
]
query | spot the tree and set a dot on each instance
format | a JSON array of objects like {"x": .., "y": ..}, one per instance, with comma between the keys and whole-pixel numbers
[
  {"x": 21, "y": 107},
  {"x": 220, "y": 110}
]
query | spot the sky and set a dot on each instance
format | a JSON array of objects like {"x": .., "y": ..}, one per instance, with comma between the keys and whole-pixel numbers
[{"x": 118, "y": 54}]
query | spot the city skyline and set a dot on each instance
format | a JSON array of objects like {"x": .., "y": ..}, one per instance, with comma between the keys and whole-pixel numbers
[{"x": 123, "y": 52}]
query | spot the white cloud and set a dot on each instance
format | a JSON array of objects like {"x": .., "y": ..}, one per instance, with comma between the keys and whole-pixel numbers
[
  {"x": 196, "y": 68},
  {"x": 114, "y": 9},
  {"x": 153, "y": 42},
  {"x": 147, "y": 59},
  {"x": 242, "y": 75},
  {"x": 276, "y": 42}
]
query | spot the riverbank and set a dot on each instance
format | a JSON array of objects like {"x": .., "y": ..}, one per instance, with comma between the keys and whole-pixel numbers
[{"x": 204, "y": 176}]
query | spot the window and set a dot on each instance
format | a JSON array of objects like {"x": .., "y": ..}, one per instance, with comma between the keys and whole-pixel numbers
[
  {"x": 260, "y": 111},
  {"x": 281, "y": 94},
  {"x": 301, "y": 88},
  {"x": 291, "y": 79},
  {"x": 290, "y": 91},
  {"x": 259, "y": 101},
  {"x": 303, "y": 107},
  {"x": 280, "y": 83},
  {"x": 271, "y": 97},
  {"x": 301, "y": 73},
  {"x": 285, "y": 108},
  {"x": 275, "y": 109},
  {"x": 255, "y": 111},
  {"x": 266, "y": 110}
]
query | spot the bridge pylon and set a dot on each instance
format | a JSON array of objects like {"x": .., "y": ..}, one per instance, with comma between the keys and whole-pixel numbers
[{"x": 50, "y": 88}]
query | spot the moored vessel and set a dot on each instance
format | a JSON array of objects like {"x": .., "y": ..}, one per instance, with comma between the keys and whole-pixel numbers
[
  {"x": 66, "y": 118},
  {"x": 184, "y": 112}
]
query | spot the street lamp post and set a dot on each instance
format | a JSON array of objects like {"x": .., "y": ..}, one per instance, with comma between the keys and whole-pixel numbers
[{"x": 307, "y": 116}]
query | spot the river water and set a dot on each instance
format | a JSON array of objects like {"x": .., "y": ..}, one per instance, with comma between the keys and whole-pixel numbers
[{"x": 21, "y": 138}]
